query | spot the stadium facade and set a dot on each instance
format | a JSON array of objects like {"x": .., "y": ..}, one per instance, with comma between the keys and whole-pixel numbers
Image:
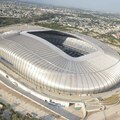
[{"x": 60, "y": 62}]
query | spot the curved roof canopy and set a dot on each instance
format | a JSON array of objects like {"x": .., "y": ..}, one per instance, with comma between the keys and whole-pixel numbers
[{"x": 62, "y": 62}]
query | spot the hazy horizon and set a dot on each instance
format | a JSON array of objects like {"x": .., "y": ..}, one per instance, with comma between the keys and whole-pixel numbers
[{"x": 95, "y": 5}]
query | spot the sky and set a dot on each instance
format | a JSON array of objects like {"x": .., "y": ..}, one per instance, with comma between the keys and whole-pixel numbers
[{"x": 97, "y": 5}]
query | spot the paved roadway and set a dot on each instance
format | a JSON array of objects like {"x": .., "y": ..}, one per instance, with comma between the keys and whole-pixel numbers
[
  {"x": 24, "y": 106},
  {"x": 55, "y": 109}
]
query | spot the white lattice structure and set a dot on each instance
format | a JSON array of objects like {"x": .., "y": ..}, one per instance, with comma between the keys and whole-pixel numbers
[{"x": 44, "y": 58}]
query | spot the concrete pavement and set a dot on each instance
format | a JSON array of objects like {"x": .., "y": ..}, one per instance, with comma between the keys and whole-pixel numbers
[
  {"x": 112, "y": 113},
  {"x": 55, "y": 109}
]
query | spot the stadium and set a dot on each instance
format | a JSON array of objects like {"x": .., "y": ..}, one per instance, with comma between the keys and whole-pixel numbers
[{"x": 60, "y": 62}]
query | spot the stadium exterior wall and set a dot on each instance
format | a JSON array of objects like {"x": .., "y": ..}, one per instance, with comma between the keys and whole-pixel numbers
[{"x": 96, "y": 72}]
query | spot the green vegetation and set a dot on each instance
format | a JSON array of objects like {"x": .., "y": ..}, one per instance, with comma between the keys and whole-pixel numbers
[
  {"x": 18, "y": 116},
  {"x": 83, "y": 15},
  {"x": 46, "y": 16},
  {"x": 4, "y": 21},
  {"x": 56, "y": 26},
  {"x": 85, "y": 32},
  {"x": 116, "y": 21},
  {"x": 13, "y": 114},
  {"x": 114, "y": 99},
  {"x": 37, "y": 18},
  {"x": 109, "y": 37}
]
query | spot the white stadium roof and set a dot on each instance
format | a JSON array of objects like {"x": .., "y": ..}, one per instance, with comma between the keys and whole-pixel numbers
[{"x": 61, "y": 62}]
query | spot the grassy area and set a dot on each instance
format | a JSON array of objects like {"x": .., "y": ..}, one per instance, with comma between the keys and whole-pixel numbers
[
  {"x": 111, "y": 100},
  {"x": 56, "y": 26},
  {"x": 4, "y": 21}
]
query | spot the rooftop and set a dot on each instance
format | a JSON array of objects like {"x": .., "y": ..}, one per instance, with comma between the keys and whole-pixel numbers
[{"x": 69, "y": 44}]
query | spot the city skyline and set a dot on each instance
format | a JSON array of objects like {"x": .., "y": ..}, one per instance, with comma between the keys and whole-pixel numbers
[{"x": 95, "y": 5}]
